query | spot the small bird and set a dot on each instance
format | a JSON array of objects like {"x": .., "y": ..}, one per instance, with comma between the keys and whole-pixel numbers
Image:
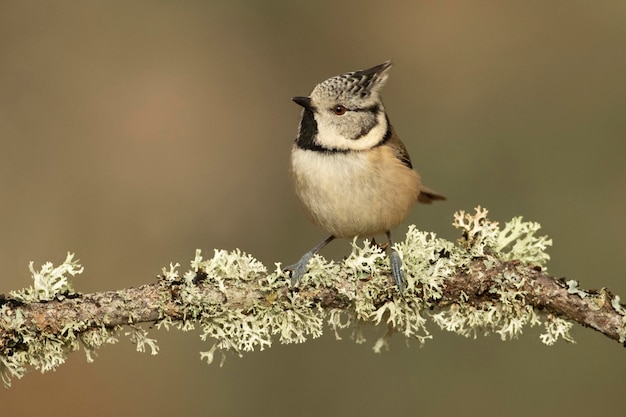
[{"x": 351, "y": 173}]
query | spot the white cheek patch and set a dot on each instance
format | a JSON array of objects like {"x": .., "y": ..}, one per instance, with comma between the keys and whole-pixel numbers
[{"x": 327, "y": 137}]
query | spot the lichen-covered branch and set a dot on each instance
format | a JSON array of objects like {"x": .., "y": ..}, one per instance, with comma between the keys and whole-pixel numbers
[{"x": 493, "y": 280}]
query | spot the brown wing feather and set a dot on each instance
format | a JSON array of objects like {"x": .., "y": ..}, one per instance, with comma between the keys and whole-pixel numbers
[
  {"x": 398, "y": 148},
  {"x": 426, "y": 194}
]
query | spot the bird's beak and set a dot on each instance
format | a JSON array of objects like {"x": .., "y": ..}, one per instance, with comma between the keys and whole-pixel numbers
[{"x": 303, "y": 101}]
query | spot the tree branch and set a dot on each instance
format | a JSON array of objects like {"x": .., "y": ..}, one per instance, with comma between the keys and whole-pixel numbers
[{"x": 490, "y": 281}]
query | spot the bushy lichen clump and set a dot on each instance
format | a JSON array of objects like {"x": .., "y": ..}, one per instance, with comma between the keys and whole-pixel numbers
[
  {"x": 42, "y": 354},
  {"x": 50, "y": 282},
  {"x": 428, "y": 262},
  {"x": 26, "y": 346},
  {"x": 250, "y": 307},
  {"x": 249, "y": 328},
  {"x": 293, "y": 317},
  {"x": 509, "y": 313}
]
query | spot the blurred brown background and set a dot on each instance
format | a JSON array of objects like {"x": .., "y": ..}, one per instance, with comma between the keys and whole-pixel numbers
[{"x": 135, "y": 132}]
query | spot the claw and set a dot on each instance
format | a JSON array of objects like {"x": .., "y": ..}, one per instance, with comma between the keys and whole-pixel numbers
[{"x": 299, "y": 268}]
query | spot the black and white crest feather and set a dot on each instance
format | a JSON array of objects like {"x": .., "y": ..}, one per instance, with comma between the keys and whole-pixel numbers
[{"x": 361, "y": 84}]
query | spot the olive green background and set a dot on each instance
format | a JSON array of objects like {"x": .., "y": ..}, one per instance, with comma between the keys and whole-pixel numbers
[{"x": 134, "y": 132}]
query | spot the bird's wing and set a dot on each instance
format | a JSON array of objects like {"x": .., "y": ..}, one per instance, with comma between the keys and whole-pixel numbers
[
  {"x": 398, "y": 148},
  {"x": 426, "y": 194}
]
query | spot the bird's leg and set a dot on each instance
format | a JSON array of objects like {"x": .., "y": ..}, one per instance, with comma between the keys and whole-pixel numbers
[
  {"x": 396, "y": 265},
  {"x": 299, "y": 268}
]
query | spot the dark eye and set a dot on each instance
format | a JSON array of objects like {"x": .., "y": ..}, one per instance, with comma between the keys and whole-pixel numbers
[{"x": 339, "y": 110}]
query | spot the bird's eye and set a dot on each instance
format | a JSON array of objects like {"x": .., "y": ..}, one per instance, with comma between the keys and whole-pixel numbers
[{"x": 339, "y": 110}]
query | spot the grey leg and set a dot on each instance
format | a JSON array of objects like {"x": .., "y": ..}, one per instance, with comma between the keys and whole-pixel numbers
[
  {"x": 299, "y": 268},
  {"x": 396, "y": 265}
]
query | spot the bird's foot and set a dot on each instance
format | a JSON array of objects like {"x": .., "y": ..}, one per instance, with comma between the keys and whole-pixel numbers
[
  {"x": 396, "y": 270},
  {"x": 299, "y": 268}
]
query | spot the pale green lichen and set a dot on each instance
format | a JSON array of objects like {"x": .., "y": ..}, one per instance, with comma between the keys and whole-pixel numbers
[
  {"x": 292, "y": 321},
  {"x": 466, "y": 320},
  {"x": 596, "y": 300},
  {"x": 339, "y": 320},
  {"x": 45, "y": 351},
  {"x": 518, "y": 240},
  {"x": 480, "y": 234},
  {"x": 428, "y": 262},
  {"x": 50, "y": 282},
  {"x": 95, "y": 338},
  {"x": 143, "y": 342},
  {"x": 556, "y": 328},
  {"x": 508, "y": 314},
  {"x": 294, "y": 318},
  {"x": 572, "y": 288},
  {"x": 365, "y": 261}
]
